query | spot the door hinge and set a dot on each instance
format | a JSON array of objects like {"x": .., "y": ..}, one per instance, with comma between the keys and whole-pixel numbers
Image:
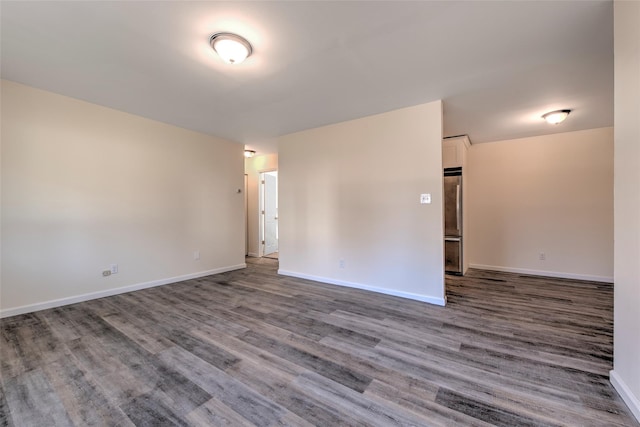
[
  {"x": 262, "y": 212},
  {"x": 263, "y": 242},
  {"x": 262, "y": 181}
]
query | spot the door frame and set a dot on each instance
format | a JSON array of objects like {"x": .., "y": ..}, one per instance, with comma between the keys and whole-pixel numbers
[
  {"x": 246, "y": 214},
  {"x": 261, "y": 173}
]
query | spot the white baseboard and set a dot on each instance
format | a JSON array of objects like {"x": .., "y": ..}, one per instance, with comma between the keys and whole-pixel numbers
[
  {"x": 253, "y": 255},
  {"x": 8, "y": 312},
  {"x": 561, "y": 275},
  {"x": 408, "y": 295},
  {"x": 625, "y": 392}
]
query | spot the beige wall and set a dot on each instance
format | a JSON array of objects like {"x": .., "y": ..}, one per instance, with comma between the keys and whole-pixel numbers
[
  {"x": 85, "y": 186},
  {"x": 252, "y": 168},
  {"x": 350, "y": 192},
  {"x": 465, "y": 202},
  {"x": 550, "y": 194},
  {"x": 626, "y": 363}
]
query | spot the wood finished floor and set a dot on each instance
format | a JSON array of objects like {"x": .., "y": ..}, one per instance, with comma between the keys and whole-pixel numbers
[{"x": 250, "y": 347}]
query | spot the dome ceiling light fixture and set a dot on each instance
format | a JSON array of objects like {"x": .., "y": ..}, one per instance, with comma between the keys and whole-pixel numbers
[
  {"x": 232, "y": 48},
  {"x": 555, "y": 117},
  {"x": 249, "y": 153}
]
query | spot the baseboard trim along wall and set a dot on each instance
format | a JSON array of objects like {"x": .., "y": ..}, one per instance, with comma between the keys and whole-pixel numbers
[
  {"x": 557, "y": 274},
  {"x": 115, "y": 291},
  {"x": 621, "y": 387},
  {"x": 408, "y": 295},
  {"x": 253, "y": 255}
]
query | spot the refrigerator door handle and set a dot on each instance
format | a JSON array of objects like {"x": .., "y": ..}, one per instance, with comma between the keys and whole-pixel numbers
[
  {"x": 458, "y": 208},
  {"x": 452, "y": 239}
]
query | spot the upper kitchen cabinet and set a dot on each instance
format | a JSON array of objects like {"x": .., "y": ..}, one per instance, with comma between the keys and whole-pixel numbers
[{"x": 454, "y": 151}]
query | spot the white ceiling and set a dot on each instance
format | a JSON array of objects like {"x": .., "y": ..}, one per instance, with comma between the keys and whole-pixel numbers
[{"x": 497, "y": 65}]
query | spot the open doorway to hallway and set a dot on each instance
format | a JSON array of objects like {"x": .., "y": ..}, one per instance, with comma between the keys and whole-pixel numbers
[
  {"x": 269, "y": 213},
  {"x": 255, "y": 169}
]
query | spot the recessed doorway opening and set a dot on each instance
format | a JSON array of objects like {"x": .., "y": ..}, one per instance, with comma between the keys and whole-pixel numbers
[{"x": 269, "y": 214}]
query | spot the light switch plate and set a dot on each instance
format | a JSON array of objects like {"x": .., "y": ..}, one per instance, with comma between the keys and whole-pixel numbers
[{"x": 425, "y": 198}]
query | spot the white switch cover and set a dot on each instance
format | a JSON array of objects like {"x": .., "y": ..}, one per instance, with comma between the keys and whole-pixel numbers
[{"x": 425, "y": 198}]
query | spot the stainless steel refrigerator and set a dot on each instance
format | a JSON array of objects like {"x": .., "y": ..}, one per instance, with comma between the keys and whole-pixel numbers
[{"x": 453, "y": 220}]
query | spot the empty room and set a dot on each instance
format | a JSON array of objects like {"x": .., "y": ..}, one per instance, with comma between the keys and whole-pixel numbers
[{"x": 327, "y": 213}]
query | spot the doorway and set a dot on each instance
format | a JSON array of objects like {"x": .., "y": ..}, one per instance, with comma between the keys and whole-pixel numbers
[
  {"x": 246, "y": 215},
  {"x": 269, "y": 214}
]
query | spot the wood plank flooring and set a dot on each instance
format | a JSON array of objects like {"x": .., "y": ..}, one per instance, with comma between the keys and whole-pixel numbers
[{"x": 250, "y": 347}]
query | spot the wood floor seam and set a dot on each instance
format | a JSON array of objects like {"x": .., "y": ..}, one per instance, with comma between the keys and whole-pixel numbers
[{"x": 253, "y": 348}]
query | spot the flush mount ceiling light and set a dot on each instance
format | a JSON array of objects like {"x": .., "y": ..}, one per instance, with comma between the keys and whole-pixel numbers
[
  {"x": 232, "y": 48},
  {"x": 249, "y": 153},
  {"x": 555, "y": 117}
]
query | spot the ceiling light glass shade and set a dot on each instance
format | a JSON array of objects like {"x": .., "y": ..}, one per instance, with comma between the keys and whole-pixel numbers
[
  {"x": 232, "y": 48},
  {"x": 555, "y": 117},
  {"x": 249, "y": 153}
]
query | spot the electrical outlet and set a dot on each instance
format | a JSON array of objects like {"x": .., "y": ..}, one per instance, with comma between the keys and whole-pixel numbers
[
  {"x": 114, "y": 268},
  {"x": 106, "y": 273},
  {"x": 196, "y": 255},
  {"x": 425, "y": 198},
  {"x": 341, "y": 264},
  {"x": 542, "y": 256}
]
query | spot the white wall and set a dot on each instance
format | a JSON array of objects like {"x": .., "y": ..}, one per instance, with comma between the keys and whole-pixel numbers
[
  {"x": 85, "y": 186},
  {"x": 253, "y": 167},
  {"x": 626, "y": 339},
  {"x": 350, "y": 191},
  {"x": 550, "y": 194}
]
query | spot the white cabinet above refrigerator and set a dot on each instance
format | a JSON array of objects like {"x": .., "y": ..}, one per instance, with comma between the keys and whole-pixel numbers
[{"x": 454, "y": 151}]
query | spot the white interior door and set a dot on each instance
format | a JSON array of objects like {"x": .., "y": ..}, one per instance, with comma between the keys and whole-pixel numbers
[{"x": 270, "y": 212}]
